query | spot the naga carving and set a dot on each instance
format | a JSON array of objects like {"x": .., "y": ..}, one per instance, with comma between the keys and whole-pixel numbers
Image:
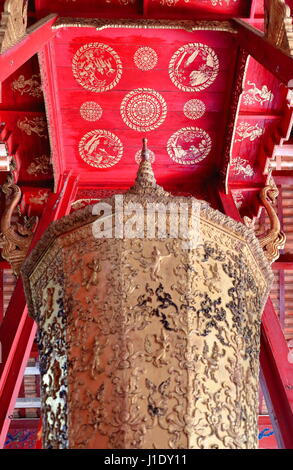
[
  {"x": 13, "y": 23},
  {"x": 15, "y": 238},
  {"x": 274, "y": 239}
]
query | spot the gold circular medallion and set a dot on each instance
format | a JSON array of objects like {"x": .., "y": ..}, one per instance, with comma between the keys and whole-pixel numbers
[
  {"x": 145, "y": 58},
  {"x": 143, "y": 109},
  {"x": 193, "y": 67},
  {"x": 97, "y": 67},
  {"x": 100, "y": 148},
  {"x": 194, "y": 109},
  {"x": 189, "y": 145},
  {"x": 91, "y": 111}
]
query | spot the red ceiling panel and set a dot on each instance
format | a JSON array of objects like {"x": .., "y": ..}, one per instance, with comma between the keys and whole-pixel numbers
[{"x": 172, "y": 86}]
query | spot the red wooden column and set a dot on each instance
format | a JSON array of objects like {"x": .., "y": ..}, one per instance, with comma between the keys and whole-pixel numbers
[
  {"x": 264, "y": 52},
  {"x": 276, "y": 372},
  {"x": 17, "y": 331},
  {"x": 36, "y": 37}
]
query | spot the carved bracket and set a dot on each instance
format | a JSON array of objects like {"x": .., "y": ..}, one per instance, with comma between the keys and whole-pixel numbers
[
  {"x": 13, "y": 23},
  {"x": 274, "y": 239},
  {"x": 279, "y": 25},
  {"x": 15, "y": 238}
]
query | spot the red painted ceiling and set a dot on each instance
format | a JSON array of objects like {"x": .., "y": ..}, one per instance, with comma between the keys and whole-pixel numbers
[{"x": 115, "y": 86}]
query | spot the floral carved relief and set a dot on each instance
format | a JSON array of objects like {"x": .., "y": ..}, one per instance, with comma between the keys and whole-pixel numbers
[{"x": 145, "y": 343}]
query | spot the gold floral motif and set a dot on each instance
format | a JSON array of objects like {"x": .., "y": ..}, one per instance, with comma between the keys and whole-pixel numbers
[
  {"x": 40, "y": 166},
  {"x": 194, "y": 109},
  {"x": 189, "y": 145},
  {"x": 145, "y": 58},
  {"x": 143, "y": 109},
  {"x": 194, "y": 67},
  {"x": 91, "y": 111},
  {"x": 100, "y": 148},
  {"x": 35, "y": 125},
  {"x": 97, "y": 67}
]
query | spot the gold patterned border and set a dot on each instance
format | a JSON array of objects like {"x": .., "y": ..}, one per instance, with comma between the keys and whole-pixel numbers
[{"x": 187, "y": 25}]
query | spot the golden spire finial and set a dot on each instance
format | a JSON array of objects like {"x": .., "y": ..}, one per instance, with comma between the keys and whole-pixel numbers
[
  {"x": 145, "y": 181},
  {"x": 145, "y": 154}
]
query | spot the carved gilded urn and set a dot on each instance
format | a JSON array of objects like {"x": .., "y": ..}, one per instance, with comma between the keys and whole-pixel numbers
[{"x": 148, "y": 340}]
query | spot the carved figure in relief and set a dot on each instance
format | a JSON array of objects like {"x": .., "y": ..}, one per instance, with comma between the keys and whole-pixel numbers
[
  {"x": 32, "y": 85},
  {"x": 153, "y": 263},
  {"x": 91, "y": 280},
  {"x": 36, "y": 124},
  {"x": 248, "y": 131},
  {"x": 211, "y": 277},
  {"x": 211, "y": 361},
  {"x": 40, "y": 165},
  {"x": 259, "y": 95},
  {"x": 40, "y": 198},
  {"x": 97, "y": 349},
  {"x": 157, "y": 356},
  {"x": 240, "y": 165}
]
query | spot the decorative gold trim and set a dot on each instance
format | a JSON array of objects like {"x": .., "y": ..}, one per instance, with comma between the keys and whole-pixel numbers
[
  {"x": 274, "y": 239},
  {"x": 187, "y": 25},
  {"x": 238, "y": 89},
  {"x": 13, "y": 23}
]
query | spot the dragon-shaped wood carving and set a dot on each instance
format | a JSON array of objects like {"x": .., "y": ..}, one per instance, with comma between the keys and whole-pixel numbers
[
  {"x": 274, "y": 239},
  {"x": 15, "y": 238}
]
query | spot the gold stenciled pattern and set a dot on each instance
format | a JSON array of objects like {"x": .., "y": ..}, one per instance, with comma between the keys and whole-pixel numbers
[
  {"x": 97, "y": 67},
  {"x": 143, "y": 109},
  {"x": 193, "y": 67}
]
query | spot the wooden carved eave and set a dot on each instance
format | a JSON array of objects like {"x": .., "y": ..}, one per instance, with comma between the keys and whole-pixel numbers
[
  {"x": 13, "y": 23},
  {"x": 279, "y": 25}
]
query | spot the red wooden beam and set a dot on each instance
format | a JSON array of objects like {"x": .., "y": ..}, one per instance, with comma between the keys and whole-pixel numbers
[
  {"x": 17, "y": 331},
  {"x": 36, "y": 37},
  {"x": 277, "y": 377},
  {"x": 276, "y": 371},
  {"x": 283, "y": 176},
  {"x": 264, "y": 52},
  {"x": 285, "y": 261},
  {"x": 1, "y": 297}
]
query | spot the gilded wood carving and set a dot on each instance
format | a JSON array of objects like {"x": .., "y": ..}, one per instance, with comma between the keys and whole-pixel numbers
[
  {"x": 13, "y": 23},
  {"x": 15, "y": 238},
  {"x": 146, "y": 344}
]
